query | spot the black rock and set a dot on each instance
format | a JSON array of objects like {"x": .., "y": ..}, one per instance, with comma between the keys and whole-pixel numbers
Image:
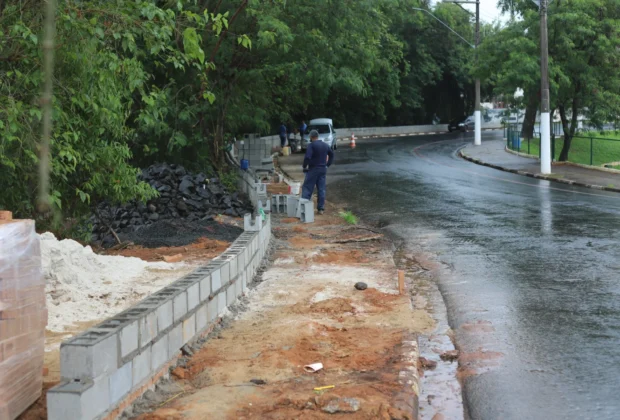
[
  {"x": 181, "y": 206},
  {"x": 154, "y": 217},
  {"x": 108, "y": 241},
  {"x": 152, "y": 208},
  {"x": 193, "y": 203},
  {"x": 186, "y": 186},
  {"x": 164, "y": 189},
  {"x": 361, "y": 286}
]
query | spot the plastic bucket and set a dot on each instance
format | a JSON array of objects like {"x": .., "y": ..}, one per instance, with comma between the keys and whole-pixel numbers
[
  {"x": 294, "y": 188},
  {"x": 245, "y": 164}
]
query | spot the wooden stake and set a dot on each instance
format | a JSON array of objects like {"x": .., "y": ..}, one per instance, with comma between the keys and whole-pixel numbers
[
  {"x": 401, "y": 282},
  {"x": 5, "y": 216}
]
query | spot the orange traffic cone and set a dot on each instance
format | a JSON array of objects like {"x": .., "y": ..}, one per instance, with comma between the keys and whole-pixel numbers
[{"x": 352, "y": 144}]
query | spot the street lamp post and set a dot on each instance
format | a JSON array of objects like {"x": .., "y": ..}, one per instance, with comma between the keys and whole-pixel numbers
[
  {"x": 545, "y": 114},
  {"x": 477, "y": 108}
]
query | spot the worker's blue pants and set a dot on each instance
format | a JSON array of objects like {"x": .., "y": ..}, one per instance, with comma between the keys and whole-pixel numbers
[{"x": 315, "y": 177}]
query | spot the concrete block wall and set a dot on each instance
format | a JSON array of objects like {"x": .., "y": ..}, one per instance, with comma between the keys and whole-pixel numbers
[
  {"x": 256, "y": 148},
  {"x": 105, "y": 365}
]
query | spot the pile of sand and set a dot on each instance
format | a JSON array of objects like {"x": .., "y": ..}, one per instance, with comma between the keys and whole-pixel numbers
[{"x": 83, "y": 287}]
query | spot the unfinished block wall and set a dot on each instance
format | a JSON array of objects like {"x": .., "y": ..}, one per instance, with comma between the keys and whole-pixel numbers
[{"x": 106, "y": 364}]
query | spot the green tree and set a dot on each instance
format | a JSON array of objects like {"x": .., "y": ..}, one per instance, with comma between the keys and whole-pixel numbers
[{"x": 584, "y": 58}]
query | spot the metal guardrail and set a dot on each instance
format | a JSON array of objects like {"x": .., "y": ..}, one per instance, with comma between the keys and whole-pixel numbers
[{"x": 587, "y": 146}]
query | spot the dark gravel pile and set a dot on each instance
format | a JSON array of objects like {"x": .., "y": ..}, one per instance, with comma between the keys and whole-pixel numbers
[
  {"x": 184, "y": 197},
  {"x": 179, "y": 232}
]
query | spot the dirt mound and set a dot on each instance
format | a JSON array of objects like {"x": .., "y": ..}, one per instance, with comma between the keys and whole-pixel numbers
[
  {"x": 179, "y": 232},
  {"x": 202, "y": 249},
  {"x": 333, "y": 306},
  {"x": 341, "y": 257}
]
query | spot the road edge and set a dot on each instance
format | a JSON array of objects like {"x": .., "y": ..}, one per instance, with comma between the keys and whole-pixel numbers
[{"x": 477, "y": 161}]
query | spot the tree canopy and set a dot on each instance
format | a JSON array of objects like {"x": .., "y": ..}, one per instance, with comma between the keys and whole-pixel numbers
[
  {"x": 584, "y": 60},
  {"x": 144, "y": 81}
]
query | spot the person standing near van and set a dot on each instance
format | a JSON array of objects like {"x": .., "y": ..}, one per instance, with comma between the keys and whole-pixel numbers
[
  {"x": 319, "y": 157},
  {"x": 283, "y": 133},
  {"x": 302, "y": 128}
]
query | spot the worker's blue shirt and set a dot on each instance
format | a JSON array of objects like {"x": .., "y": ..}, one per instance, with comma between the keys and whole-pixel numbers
[
  {"x": 317, "y": 155},
  {"x": 303, "y": 128},
  {"x": 283, "y": 130}
]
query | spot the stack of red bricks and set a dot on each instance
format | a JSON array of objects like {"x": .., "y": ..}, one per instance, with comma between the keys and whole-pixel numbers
[{"x": 23, "y": 316}]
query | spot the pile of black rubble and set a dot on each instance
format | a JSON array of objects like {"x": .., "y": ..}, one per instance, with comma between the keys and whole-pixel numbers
[{"x": 182, "y": 195}]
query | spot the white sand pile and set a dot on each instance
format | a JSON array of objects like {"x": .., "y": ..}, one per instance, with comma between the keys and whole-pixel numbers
[{"x": 83, "y": 287}]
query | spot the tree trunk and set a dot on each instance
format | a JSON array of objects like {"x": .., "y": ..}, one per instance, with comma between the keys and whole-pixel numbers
[
  {"x": 569, "y": 131},
  {"x": 527, "y": 131},
  {"x": 218, "y": 141}
]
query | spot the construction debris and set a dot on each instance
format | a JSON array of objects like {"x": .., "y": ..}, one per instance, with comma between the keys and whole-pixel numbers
[{"x": 182, "y": 195}]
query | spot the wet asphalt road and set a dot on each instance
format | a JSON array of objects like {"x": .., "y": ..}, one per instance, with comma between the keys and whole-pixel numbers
[{"x": 530, "y": 271}]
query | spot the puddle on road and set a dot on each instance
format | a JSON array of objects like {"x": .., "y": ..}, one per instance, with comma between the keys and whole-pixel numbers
[{"x": 440, "y": 392}]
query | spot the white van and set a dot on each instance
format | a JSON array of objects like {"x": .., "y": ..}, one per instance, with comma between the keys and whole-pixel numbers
[{"x": 327, "y": 134}]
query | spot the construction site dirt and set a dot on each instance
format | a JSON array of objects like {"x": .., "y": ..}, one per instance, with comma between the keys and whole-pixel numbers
[{"x": 306, "y": 310}]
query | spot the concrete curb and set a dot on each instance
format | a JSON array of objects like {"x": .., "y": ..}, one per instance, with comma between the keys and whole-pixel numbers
[
  {"x": 408, "y": 399},
  {"x": 535, "y": 175}
]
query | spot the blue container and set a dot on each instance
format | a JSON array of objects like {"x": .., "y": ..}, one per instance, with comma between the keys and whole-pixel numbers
[
  {"x": 245, "y": 164},
  {"x": 515, "y": 141}
]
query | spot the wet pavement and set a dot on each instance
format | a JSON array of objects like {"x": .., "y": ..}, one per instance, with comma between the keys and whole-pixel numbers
[{"x": 529, "y": 271}]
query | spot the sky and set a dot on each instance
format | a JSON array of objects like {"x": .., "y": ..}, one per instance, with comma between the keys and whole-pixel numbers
[{"x": 488, "y": 10}]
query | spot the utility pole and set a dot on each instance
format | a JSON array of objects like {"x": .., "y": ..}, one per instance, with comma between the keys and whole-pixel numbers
[
  {"x": 477, "y": 108},
  {"x": 545, "y": 112}
]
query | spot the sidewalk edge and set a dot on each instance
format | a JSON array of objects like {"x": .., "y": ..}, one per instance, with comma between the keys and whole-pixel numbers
[{"x": 536, "y": 175}]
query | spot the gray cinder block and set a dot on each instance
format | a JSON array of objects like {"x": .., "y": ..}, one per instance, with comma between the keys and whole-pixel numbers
[
  {"x": 292, "y": 201},
  {"x": 78, "y": 399},
  {"x": 179, "y": 305},
  {"x": 216, "y": 280},
  {"x": 128, "y": 338},
  {"x": 232, "y": 265},
  {"x": 250, "y": 225},
  {"x": 189, "y": 329},
  {"x": 120, "y": 383},
  {"x": 148, "y": 328},
  {"x": 307, "y": 211},
  {"x": 239, "y": 286},
  {"x": 231, "y": 294},
  {"x": 141, "y": 366},
  {"x": 205, "y": 288},
  {"x": 221, "y": 302},
  {"x": 225, "y": 273},
  {"x": 193, "y": 296},
  {"x": 159, "y": 354},
  {"x": 89, "y": 355},
  {"x": 212, "y": 310},
  {"x": 202, "y": 317},
  {"x": 175, "y": 339},
  {"x": 165, "y": 316}
]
